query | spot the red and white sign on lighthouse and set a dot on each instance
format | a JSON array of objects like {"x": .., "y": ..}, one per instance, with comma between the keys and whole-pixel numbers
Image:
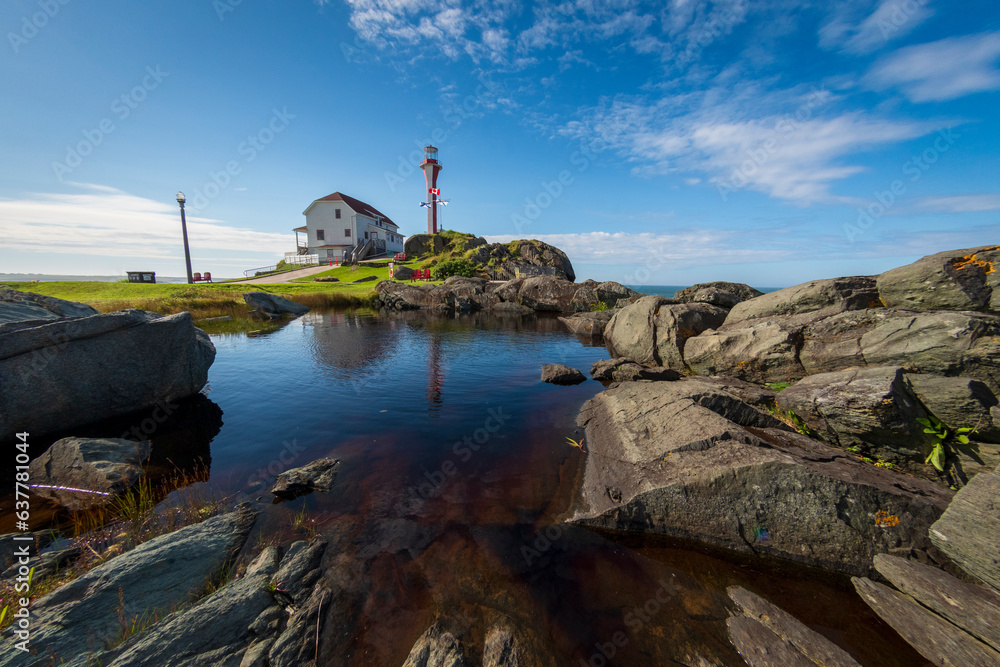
[{"x": 431, "y": 167}]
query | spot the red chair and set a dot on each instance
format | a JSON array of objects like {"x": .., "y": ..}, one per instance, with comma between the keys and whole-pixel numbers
[
  {"x": 208, "y": 277},
  {"x": 196, "y": 277}
]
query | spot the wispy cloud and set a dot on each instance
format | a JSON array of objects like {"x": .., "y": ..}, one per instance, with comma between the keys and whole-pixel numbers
[
  {"x": 789, "y": 147},
  {"x": 942, "y": 70},
  {"x": 852, "y": 31},
  {"x": 961, "y": 203},
  {"x": 106, "y": 222}
]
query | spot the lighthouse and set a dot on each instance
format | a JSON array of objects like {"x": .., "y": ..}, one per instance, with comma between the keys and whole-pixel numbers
[{"x": 431, "y": 167}]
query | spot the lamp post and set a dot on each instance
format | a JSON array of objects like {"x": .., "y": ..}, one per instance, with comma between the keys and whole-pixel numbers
[{"x": 187, "y": 252}]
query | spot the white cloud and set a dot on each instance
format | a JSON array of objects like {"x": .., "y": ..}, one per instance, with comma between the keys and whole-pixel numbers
[
  {"x": 106, "y": 222},
  {"x": 890, "y": 20},
  {"x": 961, "y": 203},
  {"x": 941, "y": 70},
  {"x": 785, "y": 144},
  {"x": 676, "y": 250}
]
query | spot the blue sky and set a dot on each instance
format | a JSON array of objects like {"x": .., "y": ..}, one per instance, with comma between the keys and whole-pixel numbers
[{"x": 657, "y": 143}]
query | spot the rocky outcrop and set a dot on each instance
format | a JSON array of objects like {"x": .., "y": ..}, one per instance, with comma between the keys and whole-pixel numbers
[
  {"x": 560, "y": 374},
  {"x": 86, "y": 471},
  {"x": 952, "y": 280},
  {"x": 28, "y": 307},
  {"x": 767, "y": 636},
  {"x": 522, "y": 295},
  {"x": 86, "y": 615},
  {"x": 419, "y": 245},
  {"x": 270, "y": 306},
  {"x": 720, "y": 293},
  {"x": 607, "y": 295},
  {"x": 74, "y": 371},
  {"x": 523, "y": 253},
  {"x": 316, "y": 476},
  {"x": 691, "y": 460},
  {"x": 874, "y": 410},
  {"x": 830, "y": 297},
  {"x": 654, "y": 330}
]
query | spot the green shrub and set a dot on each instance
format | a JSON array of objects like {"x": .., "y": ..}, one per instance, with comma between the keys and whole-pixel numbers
[{"x": 454, "y": 267}]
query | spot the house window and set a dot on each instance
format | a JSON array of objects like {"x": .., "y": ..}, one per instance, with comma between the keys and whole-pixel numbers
[
  {"x": 366, "y": 234},
  {"x": 320, "y": 235},
  {"x": 347, "y": 233},
  {"x": 336, "y": 213}
]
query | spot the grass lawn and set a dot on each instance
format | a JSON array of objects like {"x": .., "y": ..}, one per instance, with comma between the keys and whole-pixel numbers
[{"x": 202, "y": 300}]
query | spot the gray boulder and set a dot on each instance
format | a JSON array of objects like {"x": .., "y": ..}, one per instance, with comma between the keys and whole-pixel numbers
[
  {"x": 654, "y": 330},
  {"x": 74, "y": 371},
  {"x": 547, "y": 293},
  {"x": 419, "y": 245},
  {"x": 501, "y": 648},
  {"x": 272, "y": 305},
  {"x": 591, "y": 294},
  {"x": 762, "y": 351},
  {"x": 318, "y": 475},
  {"x": 690, "y": 460},
  {"x": 588, "y": 323},
  {"x": 959, "y": 402},
  {"x": 969, "y": 531},
  {"x": 719, "y": 293},
  {"x": 85, "y": 615},
  {"x": 830, "y": 296},
  {"x": 871, "y": 408},
  {"x": 560, "y": 374},
  {"x": 951, "y": 280},
  {"x": 26, "y": 306},
  {"x": 942, "y": 342},
  {"x": 103, "y": 467}
]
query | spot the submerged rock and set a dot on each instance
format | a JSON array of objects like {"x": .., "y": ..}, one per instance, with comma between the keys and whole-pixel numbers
[
  {"x": 74, "y": 371},
  {"x": 691, "y": 460},
  {"x": 621, "y": 369},
  {"x": 316, "y": 476},
  {"x": 560, "y": 374},
  {"x": 89, "y": 471},
  {"x": 588, "y": 323}
]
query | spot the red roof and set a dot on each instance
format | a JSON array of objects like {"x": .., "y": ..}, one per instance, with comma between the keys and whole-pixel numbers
[{"x": 359, "y": 206}]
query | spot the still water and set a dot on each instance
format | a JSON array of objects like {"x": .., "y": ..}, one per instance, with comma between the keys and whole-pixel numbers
[{"x": 455, "y": 477}]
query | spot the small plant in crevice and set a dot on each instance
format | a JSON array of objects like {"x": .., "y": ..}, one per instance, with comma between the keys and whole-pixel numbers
[
  {"x": 579, "y": 445},
  {"x": 777, "y": 386},
  {"x": 792, "y": 420},
  {"x": 942, "y": 455}
]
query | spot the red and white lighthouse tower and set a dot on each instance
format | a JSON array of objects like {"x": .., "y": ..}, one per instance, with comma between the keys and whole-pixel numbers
[{"x": 431, "y": 167}]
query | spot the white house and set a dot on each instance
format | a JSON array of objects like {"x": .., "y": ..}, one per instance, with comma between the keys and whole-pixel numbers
[{"x": 337, "y": 223}]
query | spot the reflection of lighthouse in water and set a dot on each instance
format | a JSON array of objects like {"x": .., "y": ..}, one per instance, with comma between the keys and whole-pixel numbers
[{"x": 435, "y": 376}]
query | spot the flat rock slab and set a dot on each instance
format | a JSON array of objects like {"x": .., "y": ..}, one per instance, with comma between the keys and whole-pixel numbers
[
  {"x": 560, "y": 374},
  {"x": 807, "y": 642},
  {"x": 83, "y": 616},
  {"x": 26, "y": 306},
  {"x": 688, "y": 459},
  {"x": 935, "y": 638},
  {"x": 87, "y": 471},
  {"x": 213, "y": 631},
  {"x": 316, "y": 476},
  {"x": 975, "y": 609},
  {"x": 969, "y": 530}
]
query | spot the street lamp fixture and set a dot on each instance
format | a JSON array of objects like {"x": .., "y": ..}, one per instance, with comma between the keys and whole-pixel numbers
[{"x": 187, "y": 252}]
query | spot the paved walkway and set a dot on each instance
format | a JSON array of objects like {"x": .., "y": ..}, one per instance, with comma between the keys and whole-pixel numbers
[{"x": 288, "y": 276}]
